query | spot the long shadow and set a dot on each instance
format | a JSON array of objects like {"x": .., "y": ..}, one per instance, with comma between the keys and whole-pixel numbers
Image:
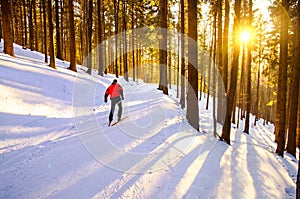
[
  {"x": 210, "y": 173},
  {"x": 145, "y": 168},
  {"x": 238, "y": 183},
  {"x": 183, "y": 164},
  {"x": 254, "y": 170},
  {"x": 266, "y": 173},
  {"x": 143, "y": 164}
]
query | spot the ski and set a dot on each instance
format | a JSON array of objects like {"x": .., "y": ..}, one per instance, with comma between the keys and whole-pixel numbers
[{"x": 114, "y": 123}]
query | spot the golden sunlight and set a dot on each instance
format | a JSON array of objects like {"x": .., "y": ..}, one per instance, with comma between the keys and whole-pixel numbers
[{"x": 245, "y": 36}]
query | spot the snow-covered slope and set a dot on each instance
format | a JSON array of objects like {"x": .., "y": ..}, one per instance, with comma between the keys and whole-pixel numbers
[{"x": 55, "y": 143}]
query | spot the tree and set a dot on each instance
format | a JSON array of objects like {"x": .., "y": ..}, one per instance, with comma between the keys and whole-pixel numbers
[
  {"x": 248, "y": 88},
  {"x": 30, "y": 21},
  {"x": 50, "y": 23},
  {"x": 163, "y": 82},
  {"x": 219, "y": 61},
  {"x": 132, "y": 40},
  {"x": 182, "y": 68},
  {"x": 72, "y": 38},
  {"x": 100, "y": 36},
  {"x": 192, "y": 114},
  {"x": 7, "y": 31},
  {"x": 89, "y": 36},
  {"x": 234, "y": 69},
  {"x": 57, "y": 28},
  {"x": 280, "y": 123},
  {"x": 294, "y": 93},
  {"x": 116, "y": 14},
  {"x": 225, "y": 46},
  {"x": 45, "y": 31},
  {"x": 125, "y": 40}
]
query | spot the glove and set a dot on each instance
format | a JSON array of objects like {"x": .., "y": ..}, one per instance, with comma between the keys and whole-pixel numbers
[
  {"x": 122, "y": 97},
  {"x": 105, "y": 100}
]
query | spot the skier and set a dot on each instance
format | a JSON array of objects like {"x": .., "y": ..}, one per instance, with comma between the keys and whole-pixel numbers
[{"x": 116, "y": 96}]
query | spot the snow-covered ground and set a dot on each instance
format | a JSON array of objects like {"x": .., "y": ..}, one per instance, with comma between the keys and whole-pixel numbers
[{"x": 55, "y": 143}]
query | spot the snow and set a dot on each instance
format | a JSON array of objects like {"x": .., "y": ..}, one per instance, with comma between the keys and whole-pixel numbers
[{"x": 55, "y": 143}]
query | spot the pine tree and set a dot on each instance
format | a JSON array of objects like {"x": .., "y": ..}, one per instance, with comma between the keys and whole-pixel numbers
[
  {"x": 7, "y": 31},
  {"x": 192, "y": 114},
  {"x": 294, "y": 93},
  {"x": 234, "y": 69},
  {"x": 163, "y": 83},
  {"x": 72, "y": 38},
  {"x": 280, "y": 123},
  {"x": 51, "y": 46}
]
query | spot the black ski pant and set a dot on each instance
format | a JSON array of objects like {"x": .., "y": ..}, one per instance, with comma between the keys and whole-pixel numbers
[{"x": 115, "y": 101}]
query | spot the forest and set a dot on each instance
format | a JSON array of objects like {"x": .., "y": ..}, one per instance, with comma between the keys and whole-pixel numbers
[{"x": 242, "y": 53}]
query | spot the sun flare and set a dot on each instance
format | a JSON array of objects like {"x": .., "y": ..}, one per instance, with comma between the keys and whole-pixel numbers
[{"x": 245, "y": 36}]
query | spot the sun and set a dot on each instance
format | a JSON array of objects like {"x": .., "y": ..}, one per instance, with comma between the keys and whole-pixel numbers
[{"x": 245, "y": 36}]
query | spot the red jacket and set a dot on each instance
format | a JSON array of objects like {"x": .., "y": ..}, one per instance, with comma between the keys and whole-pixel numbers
[{"x": 114, "y": 90}]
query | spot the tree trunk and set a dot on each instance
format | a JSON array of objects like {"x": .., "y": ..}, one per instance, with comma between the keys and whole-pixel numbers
[
  {"x": 25, "y": 24},
  {"x": 235, "y": 62},
  {"x": 125, "y": 62},
  {"x": 192, "y": 114},
  {"x": 248, "y": 89},
  {"x": 163, "y": 83},
  {"x": 89, "y": 36},
  {"x": 132, "y": 40},
  {"x": 30, "y": 21},
  {"x": 225, "y": 46},
  {"x": 36, "y": 45},
  {"x": 51, "y": 47},
  {"x": 219, "y": 61},
  {"x": 280, "y": 123},
  {"x": 100, "y": 37},
  {"x": 116, "y": 13},
  {"x": 72, "y": 38},
  {"x": 182, "y": 68},
  {"x": 45, "y": 31},
  {"x": 57, "y": 28},
  {"x": 294, "y": 93},
  {"x": 7, "y": 31},
  {"x": 257, "y": 106}
]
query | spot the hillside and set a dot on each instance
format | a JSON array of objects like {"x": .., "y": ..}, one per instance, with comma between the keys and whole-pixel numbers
[{"x": 55, "y": 143}]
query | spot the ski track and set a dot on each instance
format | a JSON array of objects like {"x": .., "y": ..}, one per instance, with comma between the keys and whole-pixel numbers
[{"x": 43, "y": 153}]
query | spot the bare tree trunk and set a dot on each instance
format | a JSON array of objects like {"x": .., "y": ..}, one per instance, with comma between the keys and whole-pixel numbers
[
  {"x": 30, "y": 21},
  {"x": 7, "y": 31},
  {"x": 192, "y": 93},
  {"x": 132, "y": 40},
  {"x": 116, "y": 13},
  {"x": 257, "y": 106},
  {"x": 89, "y": 37},
  {"x": 280, "y": 123},
  {"x": 210, "y": 62},
  {"x": 101, "y": 24},
  {"x": 45, "y": 31},
  {"x": 235, "y": 62},
  {"x": 225, "y": 46},
  {"x": 182, "y": 69},
  {"x": 125, "y": 41},
  {"x": 72, "y": 38},
  {"x": 249, "y": 58},
  {"x": 36, "y": 46},
  {"x": 163, "y": 83},
  {"x": 25, "y": 24},
  {"x": 294, "y": 93},
  {"x": 51, "y": 47},
  {"x": 57, "y": 28},
  {"x": 219, "y": 61}
]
